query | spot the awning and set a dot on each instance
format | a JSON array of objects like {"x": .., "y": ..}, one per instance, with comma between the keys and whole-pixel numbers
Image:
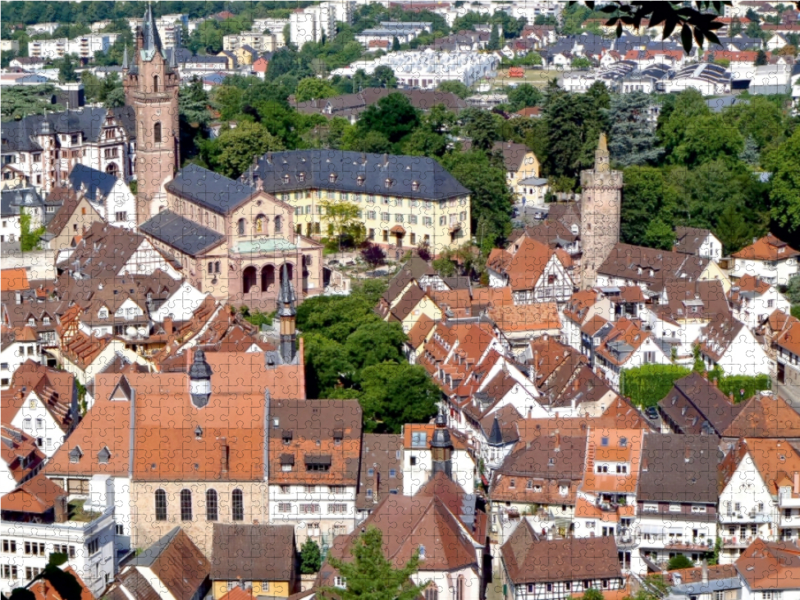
[{"x": 398, "y": 230}]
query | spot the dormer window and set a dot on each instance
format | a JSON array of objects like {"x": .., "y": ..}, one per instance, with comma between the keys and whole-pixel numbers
[
  {"x": 286, "y": 179},
  {"x": 360, "y": 180},
  {"x": 104, "y": 456},
  {"x": 103, "y": 314},
  {"x": 415, "y": 186},
  {"x": 388, "y": 182},
  {"x": 32, "y": 322},
  {"x": 301, "y": 176},
  {"x": 332, "y": 178},
  {"x": 75, "y": 455},
  {"x": 287, "y": 437},
  {"x": 623, "y": 442}
]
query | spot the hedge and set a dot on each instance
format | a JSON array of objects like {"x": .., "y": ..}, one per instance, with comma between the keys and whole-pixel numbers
[
  {"x": 648, "y": 384},
  {"x": 735, "y": 384}
]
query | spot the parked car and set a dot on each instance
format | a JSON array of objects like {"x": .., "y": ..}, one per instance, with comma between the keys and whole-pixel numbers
[{"x": 651, "y": 412}]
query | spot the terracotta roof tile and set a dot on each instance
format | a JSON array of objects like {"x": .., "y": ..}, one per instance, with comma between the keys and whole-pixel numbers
[
  {"x": 768, "y": 247},
  {"x": 13, "y": 280},
  {"x": 526, "y": 317},
  {"x": 770, "y": 566}
]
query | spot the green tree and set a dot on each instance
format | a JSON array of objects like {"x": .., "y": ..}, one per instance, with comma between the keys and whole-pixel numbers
[
  {"x": 573, "y": 17},
  {"x": 491, "y": 199},
  {"x": 706, "y": 138},
  {"x": 193, "y": 103},
  {"x": 481, "y": 127},
  {"x": 383, "y": 76},
  {"x": 793, "y": 290},
  {"x": 494, "y": 39},
  {"x": 454, "y": 87},
  {"x": 29, "y": 238},
  {"x": 646, "y": 194},
  {"x": 66, "y": 70},
  {"x": 392, "y": 116},
  {"x": 397, "y": 393},
  {"x": 761, "y": 58},
  {"x": 581, "y": 62},
  {"x": 523, "y": 96},
  {"x": 373, "y": 141},
  {"x": 679, "y": 561},
  {"x": 310, "y": 557},
  {"x": 574, "y": 123},
  {"x": 313, "y": 88},
  {"x": 238, "y": 147},
  {"x": 785, "y": 191},
  {"x": 22, "y": 100},
  {"x": 375, "y": 343},
  {"x": 592, "y": 594},
  {"x": 370, "y": 576},
  {"x": 659, "y": 235},
  {"x": 115, "y": 98},
  {"x": 340, "y": 215},
  {"x": 732, "y": 229},
  {"x": 424, "y": 142},
  {"x": 395, "y": 44},
  {"x": 750, "y": 153},
  {"x": 632, "y": 136},
  {"x": 677, "y": 113},
  {"x": 326, "y": 365}
]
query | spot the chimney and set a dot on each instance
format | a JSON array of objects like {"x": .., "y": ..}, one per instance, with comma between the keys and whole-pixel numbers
[
  {"x": 715, "y": 382},
  {"x": 576, "y": 385},
  {"x": 168, "y": 328},
  {"x": 704, "y": 567},
  {"x": 385, "y": 159},
  {"x": 687, "y": 454},
  {"x": 796, "y": 483},
  {"x": 557, "y": 445},
  {"x": 61, "y": 509},
  {"x": 731, "y": 396}
]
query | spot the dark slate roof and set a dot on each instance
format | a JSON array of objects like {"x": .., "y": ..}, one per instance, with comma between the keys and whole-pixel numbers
[
  {"x": 12, "y": 200},
  {"x": 209, "y": 189},
  {"x": 679, "y": 468},
  {"x": 89, "y": 121},
  {"x": 182, "y": 55},
  {"x": 312, "y": 169},
  {"x": 181, "y": 233},
  {"x": 253, "y": 552},
  {"x": 96, "y": 185}
]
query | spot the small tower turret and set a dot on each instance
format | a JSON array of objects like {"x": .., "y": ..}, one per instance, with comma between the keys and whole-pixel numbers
[
  {"x": 288, "y": 316},
  {"x": 442, "y": 448},
  {"x": 200, "y": 380}
]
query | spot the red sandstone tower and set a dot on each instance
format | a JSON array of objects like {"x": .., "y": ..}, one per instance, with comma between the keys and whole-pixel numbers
[{"x": 151, "y": 88}]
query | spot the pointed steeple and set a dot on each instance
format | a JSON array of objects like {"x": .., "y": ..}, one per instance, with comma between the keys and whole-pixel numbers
[
  {"x": 496, "y": 435},
  {"x": 125, "y": 65},
  {"x": 151, "y": 43},
  {"x": 287, "y": 314}
]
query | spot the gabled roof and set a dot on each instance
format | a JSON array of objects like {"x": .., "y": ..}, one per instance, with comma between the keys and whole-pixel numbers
[
  {"x": 209, "y": 189},
  {"x": 765, "y": 416},
  {"x": 180, "y": 233},
  {"x": 679, "y": 468},
  {"x": 690, "y": 239},
  {"x": 770, "y": 566},
  {"x": 775, "y": 460},
  {"x": 524, "y": 262},
  {"x": 651, "y": 266},
  {"x": 12, "y": 280},
  {"x": 695, "y": 401},
  {"x": 93, "y": 184},
  {"x": 253, "y": 553},
  {"x": 37, "y": 495},
  {"x": 381, "y": 453},
  {"x": 530, "y": 559},
  {"x": 526, "y": 317},
  {"x": 768, "y": 247},
  {"x": 438, "y": 518},
  {"x": 719, "y": 335}
]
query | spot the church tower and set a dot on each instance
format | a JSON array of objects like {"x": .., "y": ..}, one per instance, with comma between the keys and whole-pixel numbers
[
  {"x": 151, "y": 88},
  {"x": 601, "y": 199}
]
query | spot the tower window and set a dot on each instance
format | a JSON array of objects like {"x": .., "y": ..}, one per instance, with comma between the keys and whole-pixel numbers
[
  {"x": 155, "y": 83},
  {"x": 157, "y": 133}
]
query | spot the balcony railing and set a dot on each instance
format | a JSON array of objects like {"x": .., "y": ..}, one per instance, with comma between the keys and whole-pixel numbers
[{"x": 737, "y": 541}]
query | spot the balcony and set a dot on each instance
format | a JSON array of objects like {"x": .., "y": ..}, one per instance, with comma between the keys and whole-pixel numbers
[
  {"x": 737, "y": 541},
  {"x": 745, "y": 517},
  {"x": 626, "y": 541}
]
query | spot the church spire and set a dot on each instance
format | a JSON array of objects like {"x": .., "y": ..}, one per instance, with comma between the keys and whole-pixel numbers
[
  {"x": 287, "y": 315},
  {"x": 152, "y": 43}
]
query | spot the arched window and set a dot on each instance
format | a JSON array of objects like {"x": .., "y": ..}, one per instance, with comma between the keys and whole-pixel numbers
[
  {"x": 186, "y": 505},
  {"x": 211, "y": 505},
  {"x": 155, "y": 83},
  {"x": 278, "y": 224},
  {"x": 161, "y": 505},
  {"x": 237, "y": 505},
  {"x": 240, "y": 226},
  {"x": 157, "y": 132}
]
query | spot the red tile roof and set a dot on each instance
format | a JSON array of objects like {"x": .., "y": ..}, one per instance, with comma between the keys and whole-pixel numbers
[
  {"x": 13, "y": 280},
  {"x": 768, "y": 247}
]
